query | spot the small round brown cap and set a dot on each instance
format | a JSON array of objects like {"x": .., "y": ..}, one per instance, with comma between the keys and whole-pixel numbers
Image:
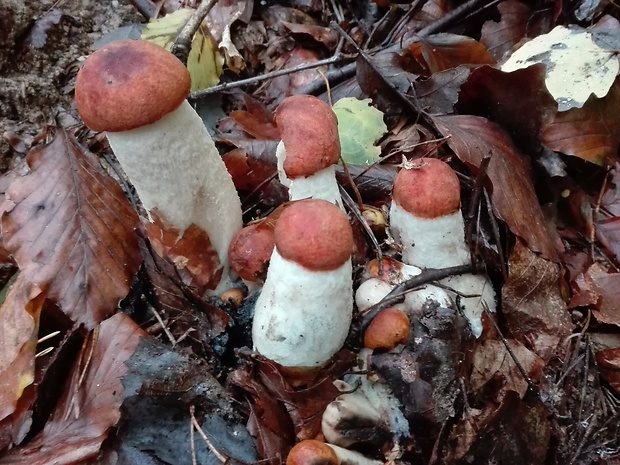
[
  {"x": 430, "y": 189},
  {"x": 312, "y": 452},
  {"x": 309, "y": 130},
  {"x": 129, "y": 83},
  {"x": 315, "y": 234},
  {"x": 250, "y": 251},
  {"x": 388, "y": 329}
]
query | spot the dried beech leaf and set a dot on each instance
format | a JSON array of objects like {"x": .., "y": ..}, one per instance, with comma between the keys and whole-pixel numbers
[
  {"x": 609, "y": 362},
  {"x": 444, "y": 51},
  {"x": 500, "y": 37},
  {"x": 512, "y": 192},
  {"x": 493, "y": 363},
  {"x": 590, "y": 133},
  {"x": 71, "y": 231},
  {"x": 91, "y": 400},
  {"x": 19, "y": 327},
  {"x": 606, "y": 287},
  {"x": 439, "y": 93},
  {"x": 532, "y": 302}
]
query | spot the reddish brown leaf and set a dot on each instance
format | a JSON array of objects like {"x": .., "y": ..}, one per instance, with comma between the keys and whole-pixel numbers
[
  {"x": 19, "y": 326},
  {"x": 490, "y": 92},
  {"x": 493, "y": 363},
  {"x": 440, "y": 92},
  {"x": 590, "y": 133},
  {"x": 247, "y": 172},
  {"x": 606, "y": 287},
  {"x": 255, "y": 127},
  {"x": 71, "y": 231},
  {"x": 500, "y": 37},
  {"x": 512, "y": 193},
  {"x": 609, "y": 363},
  {"x": 326, "y": 36},
  {"x": 532, "y": 302},
  {"x": 91, "y": 400},
  {"x": 444, "y": 51}
]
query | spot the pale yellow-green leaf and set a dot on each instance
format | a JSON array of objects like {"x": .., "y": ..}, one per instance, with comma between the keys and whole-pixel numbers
[
  {"x": 204, "y": 61},
  {"x": 360, "y": 125}
]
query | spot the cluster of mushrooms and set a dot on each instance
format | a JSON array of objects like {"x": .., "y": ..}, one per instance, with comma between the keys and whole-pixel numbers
[{"x": 135, "y": 91}]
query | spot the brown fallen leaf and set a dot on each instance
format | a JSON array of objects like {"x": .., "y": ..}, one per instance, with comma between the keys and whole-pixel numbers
[
  {"x": 91, "y": 400},
  {"x": 605, "y": 287},
  {"x": 532, "y": 302},
  {"x": 492, "y": 363},
  {"x": 19, "y": 327},
  {"x": 71, "y": 231},
  {"x": 513, "y": 198},
  {"x": 501, "y": 36},
  {"x": 591, "y": 132},
  {"x": 609, "y": 363}
]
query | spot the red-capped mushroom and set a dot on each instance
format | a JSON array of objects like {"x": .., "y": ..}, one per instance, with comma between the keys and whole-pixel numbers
[
  {"x": 135, "y": 91},
  {"x": 250, "y": 251},
  {"x": 309, "y": 149},
  {"x": 313, "y": 452},
  {"x": 303, "y": 314},
  {"x": 388, "y": 329},
  {"x": 426, "y": 218}
]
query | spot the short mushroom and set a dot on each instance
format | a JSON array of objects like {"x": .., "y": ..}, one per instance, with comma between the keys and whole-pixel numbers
[
  {"x": 313, "y": 452},
  {"x": 303, "y": 314},
  {"x": 135, "y": 91},
  {"x": 309, "y": 149},
  {"x": 388, "y": 329},
  {"x": 250, "y": 251},
  {"x": 426, "y": 218}
]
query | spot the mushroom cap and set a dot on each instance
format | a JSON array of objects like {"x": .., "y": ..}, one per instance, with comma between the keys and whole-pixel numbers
[
  {"x": 315, "y": 234},
  {"x": 388, "y": 329},
  {"x": 250, "y": 251},
  {"x": 129, "y": 83},
  {"x": 309, "y": 130},
  {"x": 430, "y": 189},
  {"x": 312, "y": 452}
]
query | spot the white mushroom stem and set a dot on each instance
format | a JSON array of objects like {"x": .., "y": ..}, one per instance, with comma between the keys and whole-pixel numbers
[
  {"x": 349, "y": 457},
  {"x": 321, "y": 185},
  {"x": 176, "y": 168},
  {"x": 302, "y": 317}
]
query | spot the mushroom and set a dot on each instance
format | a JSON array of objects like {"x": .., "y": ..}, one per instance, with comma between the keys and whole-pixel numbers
[
  {"x": 309, "y": 149},
  {"x": 426, "y": 218},
  {"x": 313, "y": 452},
  {"x": 135, "y": 91},
  {"x": 303, "y": 314},
  {"x": 250, "y": 251},
  {"x": 388, "y": 329}
]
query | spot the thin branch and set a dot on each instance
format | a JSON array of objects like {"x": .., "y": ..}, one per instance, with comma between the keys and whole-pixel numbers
[{"x": 182, "y": 45}]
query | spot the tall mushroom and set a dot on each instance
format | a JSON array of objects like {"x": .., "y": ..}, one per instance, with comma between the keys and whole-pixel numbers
[
  {"x": 303, "y": 314},
  {"x": 426, "y": 218},
  {"x": 135, "y": 91},
  {"x": 309, "y": 149}
]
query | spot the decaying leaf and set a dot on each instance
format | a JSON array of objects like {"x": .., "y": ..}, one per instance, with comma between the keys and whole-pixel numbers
[
  {"x": 591, "y": 132},
  {"x": 512, "y": 192},
  {"x": 91, "y": 400},
  {"x": 19, "y": 326},
  {"x": 500, "y": 37},
  {"x": 71, "y": 231},
  {"x": 609, "y": 362},
  {"x": 439, "y": 93},
  {"x": 360, "y": 125},
  {"x": 532, "y": 302},
  {"x": 577, "y": 66}
]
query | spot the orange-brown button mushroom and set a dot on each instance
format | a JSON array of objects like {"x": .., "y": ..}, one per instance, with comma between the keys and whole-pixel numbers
[
  {"x": 136, "y": 90},
  {"x": 250, "y": 251},
  {"x": 313, "y": 452},
  {"x": 388, "y": 329},
  {"x": 309, "y": 149},
  {"x": 303, "y": 314}
]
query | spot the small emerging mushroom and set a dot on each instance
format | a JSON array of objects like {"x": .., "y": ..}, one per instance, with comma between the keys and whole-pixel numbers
[
  {"x": 303, "y": 314},
  {"x": 135, "y": 91},
  {"x": 426, "y": 218},
  {"x": 309, "y": 149},
  {"x": 313, "y": 452}
]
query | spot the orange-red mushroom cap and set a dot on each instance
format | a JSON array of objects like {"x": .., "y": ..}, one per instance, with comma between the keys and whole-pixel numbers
[
  {"x": 309, "y": 130},
  {"x": 129, "y": 83},
  {"x": 429, "y": 190},
  {"x": 315, "y": 234}
]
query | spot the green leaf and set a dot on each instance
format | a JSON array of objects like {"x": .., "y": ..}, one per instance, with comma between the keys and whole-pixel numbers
[
  {"x": 359, "y": 127},
  {"x": 204, "y": 61}
]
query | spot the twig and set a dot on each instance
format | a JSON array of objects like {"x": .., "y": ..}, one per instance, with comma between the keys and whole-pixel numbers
[
  {"x": 202, "y": 434},
  {"x": 263, "y": 77},
  {"x": 192, "y": 441},
  {"x": 475, "y": 202},
  {"x": 353, "y": 208},
  {"x": 164, "y": 327},
  {"x": 182, "y": 45},
  {"x": 397, "y": 294},
  {"x": 450, "y": 17}
]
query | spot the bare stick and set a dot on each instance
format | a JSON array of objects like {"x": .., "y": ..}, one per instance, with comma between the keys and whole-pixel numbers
[
  {"x": 202, "y": 434},
  {"x": 181, "y": 46},
  {"x": 264, "y": 77}
]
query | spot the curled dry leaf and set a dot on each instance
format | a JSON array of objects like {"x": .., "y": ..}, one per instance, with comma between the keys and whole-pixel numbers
[
  {"x": 71, "y": 231},
  {"x": 532, "y": 302},
  {"x": 19, "y": 326},
  {"x": 91, "y": 400},
  {"x": 512, "y": 192}
]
